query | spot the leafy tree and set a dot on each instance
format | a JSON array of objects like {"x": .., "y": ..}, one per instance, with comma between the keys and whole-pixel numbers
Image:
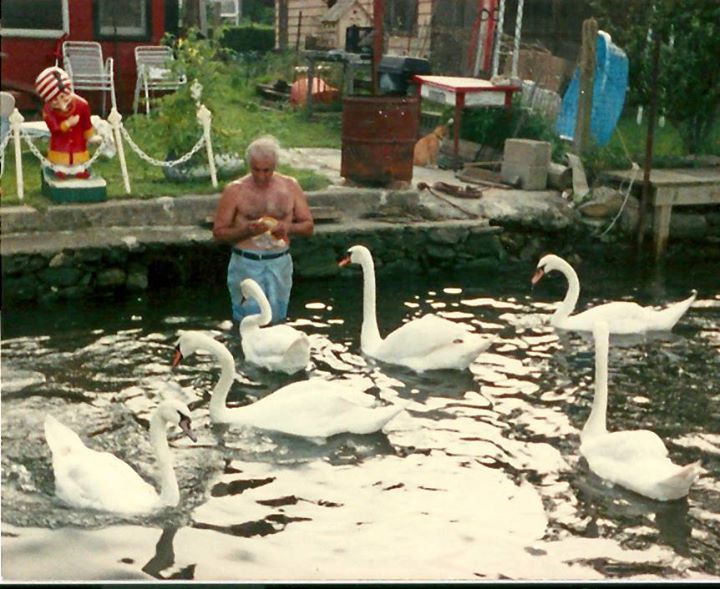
[{"x": 689, "y": 85}]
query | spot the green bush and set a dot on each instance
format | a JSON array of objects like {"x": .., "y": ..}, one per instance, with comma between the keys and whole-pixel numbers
[
  {"x": 250, "y": 37},
  {"x": 492, "y": 126}
]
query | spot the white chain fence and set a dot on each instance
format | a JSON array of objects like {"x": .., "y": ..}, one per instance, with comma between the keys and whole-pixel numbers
[
  {"x": 46, "y": 163},
  {"x": 106, "y": 147},
  {"x": 162, "y": 163}
]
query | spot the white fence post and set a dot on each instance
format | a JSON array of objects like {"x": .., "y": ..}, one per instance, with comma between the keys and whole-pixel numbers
[
  {"x": 16, "y": 119},
  {"x": 115, "y": 120},
  {"x": 205, "y": 118}
]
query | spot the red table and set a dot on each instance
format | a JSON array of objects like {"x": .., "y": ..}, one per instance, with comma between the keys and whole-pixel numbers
[{"x": 462, "y": 92}]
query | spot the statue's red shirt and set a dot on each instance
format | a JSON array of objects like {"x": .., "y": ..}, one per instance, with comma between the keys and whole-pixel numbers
[{"x": 68, "y": 146}]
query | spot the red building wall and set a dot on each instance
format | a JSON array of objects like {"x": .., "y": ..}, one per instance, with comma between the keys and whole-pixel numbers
[{"x": 24, "y": 58}]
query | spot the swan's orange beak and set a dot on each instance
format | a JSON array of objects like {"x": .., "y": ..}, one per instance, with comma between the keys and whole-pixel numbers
[
  {"x": 344, "y": 261},
  {"x": 539, "y": 273},
  {"x": 177, "y": 358}
]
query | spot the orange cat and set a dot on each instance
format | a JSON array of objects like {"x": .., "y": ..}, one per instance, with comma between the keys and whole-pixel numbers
[{"x": 427, "y": 147}]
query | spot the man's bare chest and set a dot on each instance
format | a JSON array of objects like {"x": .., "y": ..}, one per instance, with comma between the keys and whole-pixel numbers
[{"x": 275, "y": 204}]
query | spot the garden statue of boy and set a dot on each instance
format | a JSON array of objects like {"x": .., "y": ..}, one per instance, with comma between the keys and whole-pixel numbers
[{"x": 67, "y": 116}]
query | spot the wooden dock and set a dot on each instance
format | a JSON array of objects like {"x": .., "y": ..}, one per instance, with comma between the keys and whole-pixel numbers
[{"x": 672, "y": 187}]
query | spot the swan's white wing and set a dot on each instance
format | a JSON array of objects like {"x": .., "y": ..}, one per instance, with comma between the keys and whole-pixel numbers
[
  {"x": 99, "y": 480},
  {"x": 317, "y": 409},
  {"x": 626, "y": 446},
  {"x": 421, "y": 337},
  {"x": 275, "y": 340},
  {"x": 639, "y": 461},
  {"x": 621, "y": 317},
  {"x": 314, "y": 391},
  {"x": 279, "y": 347}
]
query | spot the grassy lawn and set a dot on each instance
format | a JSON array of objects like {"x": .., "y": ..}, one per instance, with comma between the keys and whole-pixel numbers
[{"x": 237, "y": 120}]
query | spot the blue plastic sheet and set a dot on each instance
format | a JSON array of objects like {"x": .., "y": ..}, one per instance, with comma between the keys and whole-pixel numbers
[{"x": 609, "y": 89}]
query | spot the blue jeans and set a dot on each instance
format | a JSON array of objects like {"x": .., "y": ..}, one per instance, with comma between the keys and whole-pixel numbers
[{"x": 274, "y": 277}]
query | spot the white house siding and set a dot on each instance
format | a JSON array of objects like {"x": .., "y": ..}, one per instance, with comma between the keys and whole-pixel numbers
[{"x": 313, "y": 11}]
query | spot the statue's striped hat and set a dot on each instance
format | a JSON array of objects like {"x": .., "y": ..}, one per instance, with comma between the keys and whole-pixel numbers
[{"x": 51, "y": 81}]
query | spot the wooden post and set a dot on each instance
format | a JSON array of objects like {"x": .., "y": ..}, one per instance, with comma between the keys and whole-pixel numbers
[
  {"x": 283, "y": 19},
  {"x": 299, "y": 33},
  {"x": 649, "y": 140},
  {"x": 310, "y": 79},
  {"x": 587, "y": 79},
  {"x": 378, "y": 40}
]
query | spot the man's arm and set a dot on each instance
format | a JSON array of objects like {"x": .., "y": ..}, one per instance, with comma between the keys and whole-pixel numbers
[{"x": 230, "y": 227}]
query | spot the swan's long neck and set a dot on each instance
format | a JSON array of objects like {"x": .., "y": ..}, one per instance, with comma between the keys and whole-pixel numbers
[
  {"x": 263, "y": 318},
  {"x": 227, "y": 375},
  {"x": 573, "y": 292},
  {"x": 369, "y": 335},
  {"x": 169, "y": 490},
  {"x": 596, "y": 423}
]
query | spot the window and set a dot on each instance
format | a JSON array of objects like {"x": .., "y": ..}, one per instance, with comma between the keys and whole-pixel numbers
[
  {"x": 129, "y": 19},
  {"x": 34, "y": 18},
  {"x": 401, "y": 16}
]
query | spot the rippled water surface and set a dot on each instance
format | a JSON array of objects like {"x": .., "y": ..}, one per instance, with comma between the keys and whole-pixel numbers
[{"x": 479, "y": 478}]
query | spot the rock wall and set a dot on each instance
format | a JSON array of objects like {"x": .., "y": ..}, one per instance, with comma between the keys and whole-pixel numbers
[
  {"x": 74, "y": 252},
  {"x": 112, "y": 270}
]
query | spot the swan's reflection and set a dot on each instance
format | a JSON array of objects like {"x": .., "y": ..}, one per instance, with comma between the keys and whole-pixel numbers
[{"x": 164, "y": 558}]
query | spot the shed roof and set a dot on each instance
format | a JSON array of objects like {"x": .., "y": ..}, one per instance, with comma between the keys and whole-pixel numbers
[{"x": 335, "y": 13}]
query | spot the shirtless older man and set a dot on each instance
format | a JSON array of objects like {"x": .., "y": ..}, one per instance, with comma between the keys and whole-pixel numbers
[{"x": 257, "y": 214}]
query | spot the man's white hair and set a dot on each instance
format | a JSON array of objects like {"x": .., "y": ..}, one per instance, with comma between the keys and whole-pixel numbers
[{"x": 265, "y": 146}]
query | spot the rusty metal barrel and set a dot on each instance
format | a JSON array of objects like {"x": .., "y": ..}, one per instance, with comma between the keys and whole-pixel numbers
[{"x": 378, "y": 137}]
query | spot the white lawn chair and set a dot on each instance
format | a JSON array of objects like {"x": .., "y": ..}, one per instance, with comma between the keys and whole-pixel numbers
[
  {"x": 230, "y": 10},
  {"x": 83, "y": 61},
  {"x": 154, "y": 72}
]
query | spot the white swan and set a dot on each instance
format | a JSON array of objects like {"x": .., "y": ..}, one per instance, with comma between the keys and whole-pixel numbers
[
  {"x": 310, "y": 408},
  {"x": 427, "y": 343},
  {"x": 623, "y": 317},
  {"x": 99, "y": 480},
  {"x": 634, "y": 459},
  {"x": 279, "y": 347}
]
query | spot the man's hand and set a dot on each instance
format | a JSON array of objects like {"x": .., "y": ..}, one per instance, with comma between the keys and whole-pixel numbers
[
  {"x": 72, "y": 121},
  {"x": 257, "y": 227},
  {"x": 280, "y": 231}
]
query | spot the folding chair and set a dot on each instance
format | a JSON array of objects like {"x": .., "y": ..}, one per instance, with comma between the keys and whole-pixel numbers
[
  {"x": 230, "y": 10},
  {"x": 154, "y": 72},
  {"x": 83, "y": 61}
]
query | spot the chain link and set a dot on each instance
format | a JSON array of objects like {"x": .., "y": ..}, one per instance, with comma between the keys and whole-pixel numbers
[
  {"x": 155, "y": 162},
  {"x": 48, "y": 164}
]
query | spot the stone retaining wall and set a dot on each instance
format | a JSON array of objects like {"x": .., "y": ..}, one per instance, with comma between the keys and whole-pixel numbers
[
  {"x": 39, "y": 265},
  {"x": 75, "y": 273}
]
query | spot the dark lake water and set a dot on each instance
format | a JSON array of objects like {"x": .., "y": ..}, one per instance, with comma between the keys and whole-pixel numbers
[{"x": 480, "y": 478}]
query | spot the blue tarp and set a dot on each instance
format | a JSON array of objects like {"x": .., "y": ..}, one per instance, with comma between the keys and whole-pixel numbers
[{"x": 609, "y": 88}]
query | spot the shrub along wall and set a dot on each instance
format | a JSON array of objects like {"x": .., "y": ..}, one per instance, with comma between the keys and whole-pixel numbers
[{"x": 251, "y": 37}]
